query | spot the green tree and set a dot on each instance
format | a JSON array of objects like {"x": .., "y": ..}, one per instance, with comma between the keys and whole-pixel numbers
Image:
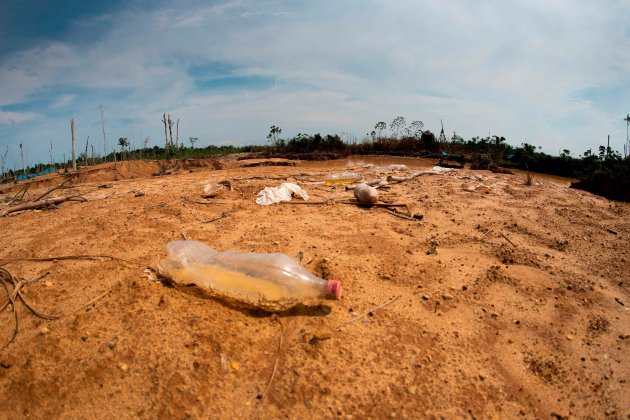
[
  {"x": 123, "y": 143},
  {"x": 274, "y": 136}
]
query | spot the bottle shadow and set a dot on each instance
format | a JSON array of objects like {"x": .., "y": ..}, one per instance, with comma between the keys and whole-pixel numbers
[{"x": 298, "y": 310}]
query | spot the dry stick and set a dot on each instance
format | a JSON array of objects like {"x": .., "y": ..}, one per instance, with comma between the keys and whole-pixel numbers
[
  {"x": 223, "y": 216},
  {"x": 338, "y": 328},
  {"x": 402, "y": 216},
  {"x": 12, "y": 301},
  {"x": 5, "y": 261},
  {"x": 60, "y": 186},
  {"x": 359, "y": 203},
  {"x": 23, "y": 191},
  {"x": 95, "y": 299},
  {"x": 306, "y": 202},
  {"x": 203, "y": 202},
  {"x": 507, "y": 239},
  {"x": 36, "y": 279},
  {"x": 42, "y": 203},
  {"x": 275, "y": 365}
]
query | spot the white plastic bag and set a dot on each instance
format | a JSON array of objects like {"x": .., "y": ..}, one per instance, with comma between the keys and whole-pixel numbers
[{"x": 284, "y": 192}]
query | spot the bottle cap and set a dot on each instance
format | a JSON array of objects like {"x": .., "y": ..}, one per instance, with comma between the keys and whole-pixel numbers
[{"x": 333, "y": 289}]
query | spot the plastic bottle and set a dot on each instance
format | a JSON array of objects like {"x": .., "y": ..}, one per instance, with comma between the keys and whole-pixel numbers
[
  {"x": 342, "y": 178},
  {"x": 273, "y": 282}
]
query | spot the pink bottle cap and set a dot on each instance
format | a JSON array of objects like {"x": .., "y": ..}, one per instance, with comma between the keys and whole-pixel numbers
[{"x": 333, "y": 289}]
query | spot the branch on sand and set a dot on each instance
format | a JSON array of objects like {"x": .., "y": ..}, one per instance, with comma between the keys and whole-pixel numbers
[
  {"x": 58, "y": 187},
  {"x": 42, "y": 203},
  {"x": 371, "y": 311},
  {"x": 13, "y": 287},
  {"x": 275, "y": 365}
]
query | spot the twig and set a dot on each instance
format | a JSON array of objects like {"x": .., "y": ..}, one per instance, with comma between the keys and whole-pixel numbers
[
  {"x": 223, "y": 216},
  {"x": 203, "y": 202},
  {"x": 60, "y": 186},
  {"x": 401, "y": 215},
  {"x": 507, "y": 239},
  {"x": 23, "y": 191},
  {"x": 96, "y": 298},
  {"x": 36, "y": 279},
  {"x": 5, "y": 261},
  {"x": 366, "y": 313},
  {"x": 42, "y": 203},
  {"x": 11, "y": 300},
  {"x": 611, "y": 231},
  {"x": 306, "y": 202},
  {"x": 359, "y": 203},
  {"x": 275, "y": 365}
]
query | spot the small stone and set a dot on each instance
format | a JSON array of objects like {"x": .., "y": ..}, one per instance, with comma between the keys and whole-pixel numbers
[
  {"x": 236, "y": 366},
  {"x": 425, "y": 297},
  {"x": 48, "y": 283},
  {"x": 446, "y": 296},
  {"x": 387, "y": 277},
  {"x": 494, "y": 315},
  {"x": 5, "y": 364},
  {"x": 123, "y": 366},
  {"x": 412, "y": 390},
  {"x": 44, "y": 330},
  {"x": 570, "y": 337},
  {"x": 111, "y": 345},
  {"x": 84, "y": 337}
]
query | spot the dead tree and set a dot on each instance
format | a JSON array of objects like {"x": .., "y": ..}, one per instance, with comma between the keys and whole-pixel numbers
[
  {"x": 177, "y": 135},
  {"x": 102, "y": 108},
  {"x": 165, "y": 132},
  {"x": 74, "y": 153},
  {"x": 22, "y": 154},
  {"x": 50, "y": 152},
  {"x": 92, "y": 153},
  {"x": 4, "y": 159},
  {"x": 170, "y": 127},
  {"x": 85, "y": 160}
]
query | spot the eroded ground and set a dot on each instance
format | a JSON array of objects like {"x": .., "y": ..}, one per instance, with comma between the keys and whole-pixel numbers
[{"x": 512, "y": 300}]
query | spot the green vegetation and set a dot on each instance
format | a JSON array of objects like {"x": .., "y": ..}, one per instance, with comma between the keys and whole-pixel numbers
[{"x": 606, "y": 172}]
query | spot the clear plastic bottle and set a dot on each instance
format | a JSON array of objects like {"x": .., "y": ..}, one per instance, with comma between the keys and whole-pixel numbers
[
  {"x": 273, "y": 282},
  {"x": 342, "y": 178}
]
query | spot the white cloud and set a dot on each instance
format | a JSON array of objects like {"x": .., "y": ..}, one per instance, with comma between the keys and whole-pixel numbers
[
  {"x": 512, "y": 68},
  {"x": 16, "y": 117}
]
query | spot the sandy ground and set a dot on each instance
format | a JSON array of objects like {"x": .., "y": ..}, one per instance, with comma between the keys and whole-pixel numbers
[{"x": 511, "y": 300}]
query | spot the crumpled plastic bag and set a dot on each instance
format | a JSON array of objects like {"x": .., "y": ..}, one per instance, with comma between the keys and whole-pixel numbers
[{"x": 284, "y": 192}]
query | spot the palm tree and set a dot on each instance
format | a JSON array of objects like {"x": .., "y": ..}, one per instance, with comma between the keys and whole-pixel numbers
[{"x": 122, "y": 142}]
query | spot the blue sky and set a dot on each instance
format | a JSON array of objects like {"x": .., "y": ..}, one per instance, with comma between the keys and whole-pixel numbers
[{"x": 551, "y": 73}]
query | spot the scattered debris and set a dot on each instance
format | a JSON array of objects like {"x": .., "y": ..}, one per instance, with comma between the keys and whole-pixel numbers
[
  {"x": 211, "y": 189},
  {"x": 284, "y": 192}
]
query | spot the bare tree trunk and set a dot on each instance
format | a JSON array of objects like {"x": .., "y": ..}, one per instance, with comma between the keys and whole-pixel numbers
[
  {"x": 74, "y": 153},
  {"x": 85, "y": 162},
  {"x": 170, "y": 127},
  {"x": 4, "y": 158},
  {"x": 22, "y": 154},
  {"x": 165, "y": 132},
  {"x": 92, "y": 154},
  {"x": 177, "y": 135},
  {"x": 102, "y": 108}
]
